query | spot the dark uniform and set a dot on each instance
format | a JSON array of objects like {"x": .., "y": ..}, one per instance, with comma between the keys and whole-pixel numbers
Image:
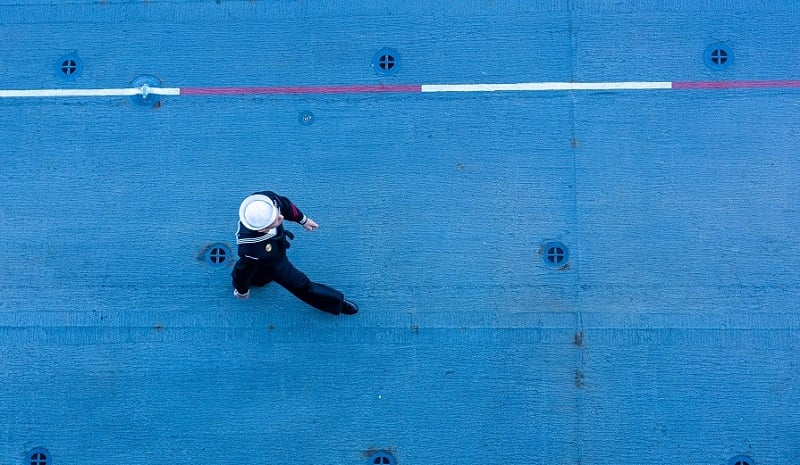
[{"x": 262, "y": 259}]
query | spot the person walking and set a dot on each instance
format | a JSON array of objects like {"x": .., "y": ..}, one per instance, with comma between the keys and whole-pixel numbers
[{"x": 262, "y": 241}]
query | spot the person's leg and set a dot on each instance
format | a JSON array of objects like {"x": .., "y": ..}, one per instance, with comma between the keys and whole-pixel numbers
[
  {"x": 261, "y": 277},
  {"x": 317, "y": 295},
  {"x": 243, "y": 272}
]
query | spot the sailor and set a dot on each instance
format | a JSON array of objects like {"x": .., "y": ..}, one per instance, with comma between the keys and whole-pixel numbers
[{"x": 262, "y": 242}]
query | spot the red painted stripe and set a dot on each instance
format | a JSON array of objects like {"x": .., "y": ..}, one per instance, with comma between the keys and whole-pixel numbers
[
  {"x": 711, "y": 85},
  {"x": 298, "y": 90}
]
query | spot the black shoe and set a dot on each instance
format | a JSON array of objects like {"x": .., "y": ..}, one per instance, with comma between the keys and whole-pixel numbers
[{"x": 349, "y": 307}]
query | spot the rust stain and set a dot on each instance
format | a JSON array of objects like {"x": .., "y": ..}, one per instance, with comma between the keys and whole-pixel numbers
[{"x": 580, "y": 379}]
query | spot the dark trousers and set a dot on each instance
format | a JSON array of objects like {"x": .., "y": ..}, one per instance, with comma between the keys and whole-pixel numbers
[{"x": 248, "y": 272}]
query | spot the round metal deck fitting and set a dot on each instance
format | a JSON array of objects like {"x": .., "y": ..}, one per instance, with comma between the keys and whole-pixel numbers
[
  {"x": 381, "y": 458},
  {"x": 68, "y": 67},
  {"x": 555, "y": 255},
  {"x": 740, "y": 460},
  {"x": 145, "y": 98},
  {"x": 718, "y": 56},
  {"x": 38, "y": 456},
  {"x": 218, "y": 255},
  {"x": 386, "y": 62}
]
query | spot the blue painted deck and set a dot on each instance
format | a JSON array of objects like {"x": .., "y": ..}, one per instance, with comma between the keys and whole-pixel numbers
[{"x": 672, "y": 336}]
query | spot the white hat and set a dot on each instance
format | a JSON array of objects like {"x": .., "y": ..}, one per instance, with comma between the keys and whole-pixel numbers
[{"x": 257, "y": 212}]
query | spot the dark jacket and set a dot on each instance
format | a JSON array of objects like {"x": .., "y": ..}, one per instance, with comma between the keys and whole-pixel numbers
[{"x": 271, "y": 245}]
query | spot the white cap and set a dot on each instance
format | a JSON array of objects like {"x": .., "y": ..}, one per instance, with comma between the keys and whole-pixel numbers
[{"x": 257, "y": 212}]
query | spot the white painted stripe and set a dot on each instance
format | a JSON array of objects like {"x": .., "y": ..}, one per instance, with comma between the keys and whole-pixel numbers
[
  {"x": 524, "y": 86},
  {"x": 543, "y": 86},
  {"x": 165, "y": 90},
  {"x": 125, "y": 92}
]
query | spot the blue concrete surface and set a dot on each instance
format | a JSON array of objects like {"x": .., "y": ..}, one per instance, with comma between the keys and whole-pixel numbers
[{"x": 672, "y": 336}]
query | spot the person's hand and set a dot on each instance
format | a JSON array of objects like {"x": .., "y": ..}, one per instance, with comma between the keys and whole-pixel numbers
[{"x": 310, "y": 225}]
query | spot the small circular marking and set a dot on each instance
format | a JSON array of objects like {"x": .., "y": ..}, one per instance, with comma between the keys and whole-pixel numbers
[
  {"x": 268, "y": 248},
  {"x": 306, "y": 118}
]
